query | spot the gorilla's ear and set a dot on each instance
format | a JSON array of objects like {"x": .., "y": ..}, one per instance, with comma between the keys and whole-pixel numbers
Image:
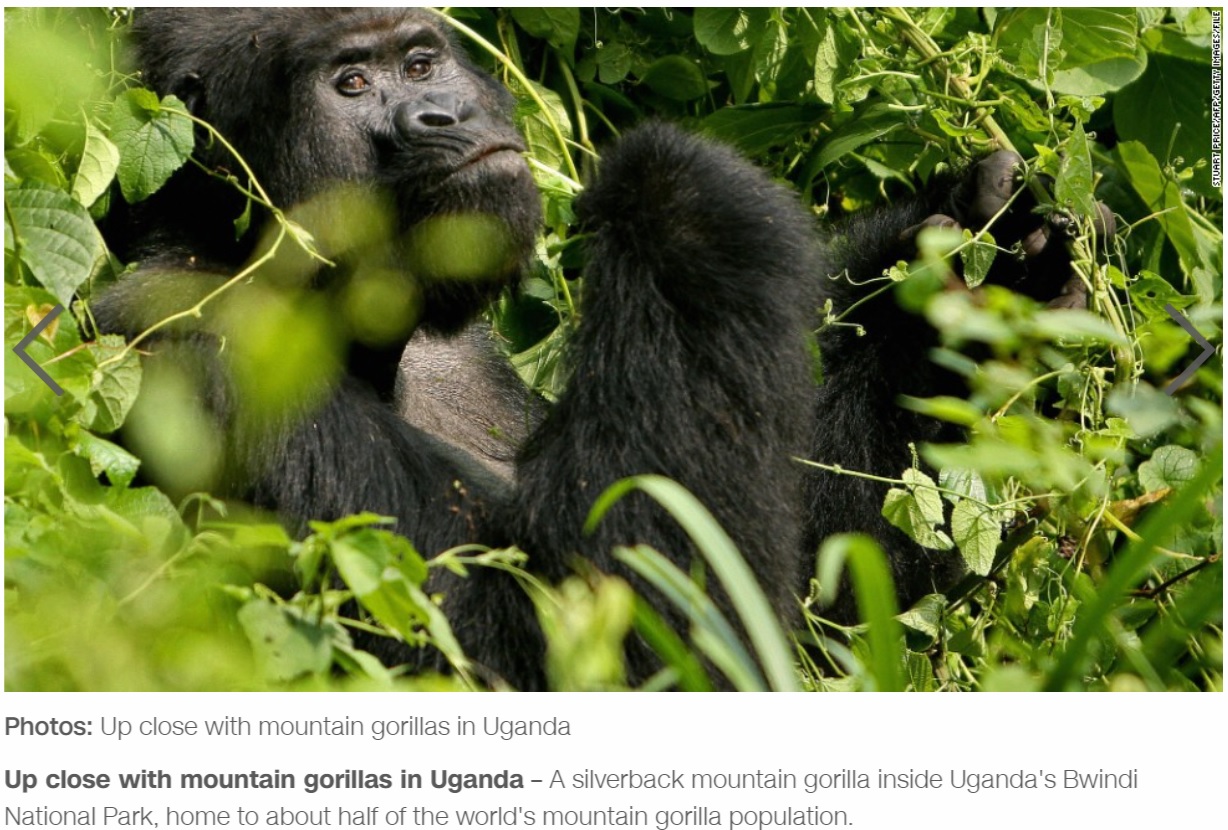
[{"x": 190, "y": 88}]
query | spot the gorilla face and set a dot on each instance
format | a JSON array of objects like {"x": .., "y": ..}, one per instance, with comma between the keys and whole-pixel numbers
[{"x": 320, "y": 100}]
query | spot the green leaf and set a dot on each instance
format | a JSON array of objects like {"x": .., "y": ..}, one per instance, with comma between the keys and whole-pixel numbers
[
  {"x": 977, "y": 256},
  {"x": 120, "y": 465},
  {"x": 535, "y": 125},
  {"x": 1100, "y": 78},
  {"x": 46, "y": 73},
  {"x": 876, "y": 121},
  {"x": 381, "y": 568},
  {"x": 154, "y": 140},
  {"x": 925, "y": 617},
  {"x": 1163, "y": 197},
  {"x": 727, "y": 31},
  {"x": 675, "y": 77},
  {"x": 917, "y": 510},
  {"x": 286, "y": 645},
  {"x": 977, "y": 533},
  {"x": 1074, "y": 186},
  {"x": 1148, "y": 410},
  {"x": 613, "y": 63},
  {"x": 113, "y": 387},
  {"x": 758, "y": 128},
  {"x": 965, "y": 482},
  {"x": 99, "y": 162},
  {"x": 1080, "y": 51},
  {"x": 558, "y": 26},
  {"x": 1069, "y": 325},
  {"x": 54, "y": 236},
  {"x": 1150, "y": 294},
  {"x": 1169, "y": 466},
  {"x": 1171, "y": 92},
  {"x": 834, "y": 55}
]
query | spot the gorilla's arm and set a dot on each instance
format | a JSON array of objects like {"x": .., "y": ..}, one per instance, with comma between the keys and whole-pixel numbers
[
  {"x": 346, "y": 452},
  {"x": 690, "y": 362},
  {"x": 860, "y": 424}
]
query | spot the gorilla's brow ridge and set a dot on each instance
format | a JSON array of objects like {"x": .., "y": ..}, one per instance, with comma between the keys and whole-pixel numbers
[{"x": 364, "y": 46}]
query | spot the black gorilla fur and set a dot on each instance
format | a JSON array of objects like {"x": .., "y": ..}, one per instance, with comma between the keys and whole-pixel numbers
[{"x": 692, "y": 360}]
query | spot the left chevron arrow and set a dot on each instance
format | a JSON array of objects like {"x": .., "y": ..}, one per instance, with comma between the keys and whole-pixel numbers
[{"x": 20, "y": 349}]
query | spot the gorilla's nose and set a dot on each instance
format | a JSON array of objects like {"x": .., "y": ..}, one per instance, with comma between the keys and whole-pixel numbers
[{"x": 431, "y": 111}]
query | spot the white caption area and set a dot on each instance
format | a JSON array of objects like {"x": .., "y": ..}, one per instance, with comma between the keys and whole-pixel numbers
[{"x": 665, "y": 762}]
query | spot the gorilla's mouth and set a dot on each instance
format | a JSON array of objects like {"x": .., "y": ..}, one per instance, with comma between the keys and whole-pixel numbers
[{"x": 483, "y": 154}]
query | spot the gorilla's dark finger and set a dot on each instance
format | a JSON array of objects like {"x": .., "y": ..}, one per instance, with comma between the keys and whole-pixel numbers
[
  {"x": 1060, "y": 224},
  {"x": 1104, "y": 222},
  {"x": 995, "y": 182},
  {"x": 937, "y": 220},
  {"x": 1035, "y": 242},
  {"x": 1073, "y": 295}
]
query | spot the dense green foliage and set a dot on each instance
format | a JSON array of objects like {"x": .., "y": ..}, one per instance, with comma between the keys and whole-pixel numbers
[{"x": 1086, "y": 502}]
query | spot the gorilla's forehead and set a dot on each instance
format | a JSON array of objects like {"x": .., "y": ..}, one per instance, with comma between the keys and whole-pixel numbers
[
  {"x": 374, "y": 30},
  {"x": 188, "y": 39}
]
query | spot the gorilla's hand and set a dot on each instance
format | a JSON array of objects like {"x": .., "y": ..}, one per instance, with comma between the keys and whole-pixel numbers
[{"x": 987, "y": 196}]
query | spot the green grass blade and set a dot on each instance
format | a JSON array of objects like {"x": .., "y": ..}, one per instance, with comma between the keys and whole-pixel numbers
[
  {"x": 875, "y": 593},
  {"x": 713, "y": 634},
  {"x": 766, "y": 635}
]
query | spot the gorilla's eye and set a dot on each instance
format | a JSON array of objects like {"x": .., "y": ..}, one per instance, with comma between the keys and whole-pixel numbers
[
  {"x": 353, "y": 83},
  {"x": 418, "y": 67}
]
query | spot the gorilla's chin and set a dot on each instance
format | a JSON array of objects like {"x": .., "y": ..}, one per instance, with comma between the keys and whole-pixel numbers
[{"x": 473, "y": 236}]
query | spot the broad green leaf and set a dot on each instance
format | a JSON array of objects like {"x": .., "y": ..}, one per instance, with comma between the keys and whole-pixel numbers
[
  {"x": 154, "y": 139},
  {"x": 675, "y": 77},
  {"x": 535, "y": 125},
  {"x": 1150, "y": 294},
  {"x": 1171, "y": 92},
  {"x": 614, "y": 61},
  {"x": 46, "y": 73},
  {"x": 370, "y": 563},
  {"x": 1074, "y": 186},
  {"x": 925, "y": 617},
  {"x": 770, "y": 57},
  {"x": 286, "y": 645},
  {"x": 1100, "y": 78},
  {"x": 917, "y": 510},
  {"x": 977, "y": 257},
  {"x": 99, "y": 162},
  {"x": 1087, "y": 35},
  {"x": 1163, "y": 197},
  {"x": 726, "y": 31},
  {"x": 834, "y": 54},
  {"x": 1148, "y": 410},
  {"x": 113, "y": 387},
  {"x": 1169, "y": 466},
  {"x": 1073, "y": 325},
  {"x": 32, "y": 162},
  {"x": 54, "y": 237},
  {"x": 1080, "y": 51},
  {"x": 759, "y": 128},
  {"x": 977, "y": 532},
  {"x": 965, "y": 482},
  {"x": 120, "y": 465},
  {"x": 876, "y": 121},
  {"x": 558, "y": 26}
]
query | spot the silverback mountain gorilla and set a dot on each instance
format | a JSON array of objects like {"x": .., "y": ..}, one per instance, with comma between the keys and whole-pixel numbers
[{"x": 692, "y": 361}]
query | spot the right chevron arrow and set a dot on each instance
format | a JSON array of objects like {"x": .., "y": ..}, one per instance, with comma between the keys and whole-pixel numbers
[{"x": 1207, "y": 349}]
